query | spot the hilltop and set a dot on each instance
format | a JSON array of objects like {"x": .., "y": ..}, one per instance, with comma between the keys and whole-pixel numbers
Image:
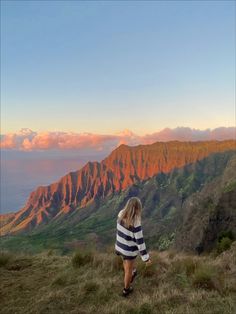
[{"x": 88, "y": 281}]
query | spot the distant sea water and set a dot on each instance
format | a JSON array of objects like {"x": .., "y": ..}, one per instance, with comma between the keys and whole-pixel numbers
[{"x": 23, "y": 172}]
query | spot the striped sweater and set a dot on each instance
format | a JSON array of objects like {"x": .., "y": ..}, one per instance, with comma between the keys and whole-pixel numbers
[{"x": 130, "y": 241}]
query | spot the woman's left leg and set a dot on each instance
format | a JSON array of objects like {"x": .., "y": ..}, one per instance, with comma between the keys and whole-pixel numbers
[{"x": 128, "y": 268}]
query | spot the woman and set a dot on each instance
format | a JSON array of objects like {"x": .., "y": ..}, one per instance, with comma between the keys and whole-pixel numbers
[{"x": 129, "y": 240}]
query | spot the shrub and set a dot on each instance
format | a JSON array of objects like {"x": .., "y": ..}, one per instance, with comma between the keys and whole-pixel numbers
[
  {"x": 4, "y": 258},
  {"x": 186, "y": 265},
  {"x": 182, "y": 270},
  {"x": 224, "y": 244},
  {"x": 18, "y": 263},
  {"x": 208, "y": 277},
  {"x": 165, "y": 241},
  {"x": 228, "y": 233},
  {"x": 81, "y": 258}
]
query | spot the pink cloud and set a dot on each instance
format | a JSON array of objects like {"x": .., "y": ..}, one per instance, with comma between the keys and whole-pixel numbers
[{"x": 28, "y": 140}]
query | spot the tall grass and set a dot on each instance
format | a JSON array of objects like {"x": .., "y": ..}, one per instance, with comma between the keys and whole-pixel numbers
[{"x": 89, "y": 281}]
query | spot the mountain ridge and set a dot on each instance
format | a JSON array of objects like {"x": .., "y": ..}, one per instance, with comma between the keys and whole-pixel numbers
[
  {"x": 166, "y": 200},
  {"x": 123, "y": 167}
]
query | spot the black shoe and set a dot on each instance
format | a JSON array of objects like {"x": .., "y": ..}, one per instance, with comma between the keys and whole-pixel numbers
[
  {"x": 134, "y": 275},
  {"x": 127, "y": 291}
]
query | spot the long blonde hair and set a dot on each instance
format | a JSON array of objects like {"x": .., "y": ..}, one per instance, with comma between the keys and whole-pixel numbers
[{"x": 131, "y": 213}]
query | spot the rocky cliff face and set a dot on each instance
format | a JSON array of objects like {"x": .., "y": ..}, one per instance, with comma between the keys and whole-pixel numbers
[
  {"x": 122, "y": 168},
  {"x": 205, "y": 214}
]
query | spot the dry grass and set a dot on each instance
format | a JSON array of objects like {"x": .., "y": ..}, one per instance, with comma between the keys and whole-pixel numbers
[{"x": 89, "y": 282}]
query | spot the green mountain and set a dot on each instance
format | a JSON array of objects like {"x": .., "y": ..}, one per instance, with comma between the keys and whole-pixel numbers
[
  {"x": 94, "y": 182},
  {"x": 175, "y": 204}
]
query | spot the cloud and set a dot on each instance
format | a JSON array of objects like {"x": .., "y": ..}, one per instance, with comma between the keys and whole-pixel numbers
[{"x": 28, "y": 140}]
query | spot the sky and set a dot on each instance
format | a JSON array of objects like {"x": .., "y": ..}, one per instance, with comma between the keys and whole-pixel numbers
[{"x": 104, "y": 67}]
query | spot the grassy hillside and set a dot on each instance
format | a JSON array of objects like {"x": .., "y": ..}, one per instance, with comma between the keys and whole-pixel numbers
[{"x": 90, "y": 281}]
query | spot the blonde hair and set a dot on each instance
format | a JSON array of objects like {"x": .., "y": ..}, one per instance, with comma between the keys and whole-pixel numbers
[{"x": 131, "y": 213}]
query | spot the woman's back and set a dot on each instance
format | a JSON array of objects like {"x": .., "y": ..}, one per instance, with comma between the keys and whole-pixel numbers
[{"x": 129, "y": 240}]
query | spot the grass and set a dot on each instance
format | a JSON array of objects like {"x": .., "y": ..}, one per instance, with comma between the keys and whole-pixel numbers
[
  {"x": 81, "y": 258},
  {"x": 89, "y": 281},
  {"x": 5, "y": 257},
  {"x": 209, "y": 277}
]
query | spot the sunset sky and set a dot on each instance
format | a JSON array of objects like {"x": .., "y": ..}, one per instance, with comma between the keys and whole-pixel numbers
[
  {"x": 106, "y": 67},
  {"x": 79, "y": 78}
]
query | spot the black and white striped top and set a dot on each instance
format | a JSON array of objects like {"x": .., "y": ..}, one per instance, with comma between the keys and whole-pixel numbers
[{"x": 130, "y": 242}]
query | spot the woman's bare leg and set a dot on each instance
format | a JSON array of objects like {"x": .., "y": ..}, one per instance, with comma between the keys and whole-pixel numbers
[
  {"x": 134, "y": 266},
  {"x": 128, "y": 268}
]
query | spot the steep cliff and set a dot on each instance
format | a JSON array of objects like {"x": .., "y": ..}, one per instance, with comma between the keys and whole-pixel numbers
[{"x": 207, "y": 213}]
